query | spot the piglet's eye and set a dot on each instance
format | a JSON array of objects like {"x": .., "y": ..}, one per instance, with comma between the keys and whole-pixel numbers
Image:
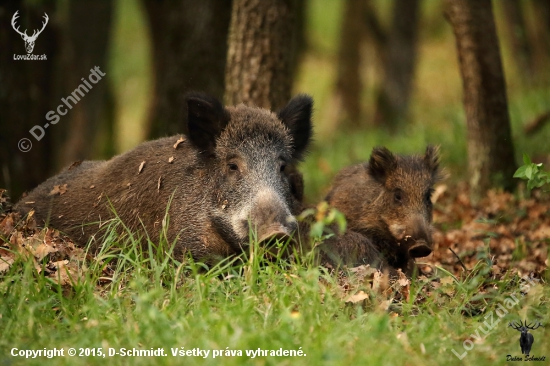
[
  {"x": 233, "y": 167},
  {"x": 398, "y": 196}
]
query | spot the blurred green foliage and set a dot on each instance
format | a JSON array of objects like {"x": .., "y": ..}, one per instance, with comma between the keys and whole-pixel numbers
[{"x": 436, "y": 111}]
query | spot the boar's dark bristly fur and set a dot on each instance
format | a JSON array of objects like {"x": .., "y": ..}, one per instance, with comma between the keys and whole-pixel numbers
[
  {"x": 232, "y": 171},
  {"x": 388, "y": 200}
]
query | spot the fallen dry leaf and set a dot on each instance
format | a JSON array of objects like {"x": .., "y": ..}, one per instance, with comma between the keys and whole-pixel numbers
[
  {"x": 180, "y": 140},
  {"x": 59, "y": 189},
  {"x": 384, "y": 305},
  {"x": 403, "y": 285},
  {"x": 5, "y": 263},
  {"x": 403, "y": 280},
  {"x": 360, "y": 296},
  {"x": 75, "y": 164},
  {"x": 99, "y": 199},
  {"x": 59, "y": 264},
  {"x": 378, "y": 282},
  {"x": 41, "y": 251}
]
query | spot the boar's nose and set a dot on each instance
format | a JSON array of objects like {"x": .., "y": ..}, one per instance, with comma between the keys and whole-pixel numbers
[
  {"x": 419, "y": 249},
  {"x": 271, "y": 217},
  {"x": 422, "y": 236},
  {"x": 275, "y": 232}
]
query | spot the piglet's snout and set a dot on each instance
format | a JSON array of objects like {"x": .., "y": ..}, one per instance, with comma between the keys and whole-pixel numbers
[
  {"x": 420, "y": 249},
  {"x": 421, "y": 238}
]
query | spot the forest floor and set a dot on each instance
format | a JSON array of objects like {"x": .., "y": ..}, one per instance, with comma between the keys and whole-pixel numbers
[
  {"x": 509, "y": 232},
  {"x": 456, "y": 310}
]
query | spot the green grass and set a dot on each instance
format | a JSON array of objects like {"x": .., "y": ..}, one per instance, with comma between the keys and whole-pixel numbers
[{"x": 154, "y": 301}]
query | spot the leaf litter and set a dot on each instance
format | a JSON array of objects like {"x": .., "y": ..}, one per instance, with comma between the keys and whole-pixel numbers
[
  {"x": 53, "y": 254},
  {"x": 504, "y": 238}
]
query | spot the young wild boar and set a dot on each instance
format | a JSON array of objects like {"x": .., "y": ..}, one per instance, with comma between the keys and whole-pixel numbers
[
  {"x": 388, "y": 201},
  {"x": 349, "y": 248},
  {"x": 228, "y": 173}
]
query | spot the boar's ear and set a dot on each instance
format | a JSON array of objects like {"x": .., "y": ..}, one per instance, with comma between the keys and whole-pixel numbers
[
  {"x": 296, "y": 116},
  {"x": 206, "y": 119},
  {"x": 431, "y": 159},
  {"x": 381, "y": 164}
]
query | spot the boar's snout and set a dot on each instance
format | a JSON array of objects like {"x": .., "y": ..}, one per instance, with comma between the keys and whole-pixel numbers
[
  {"x": 272, "y": 218},
  {"x": 281, "y": 230},
  {"x": 421, "y": 236},
  {"x": 416, "y": 234},
  {"x": 419, "y": 249},
  {"x": 275, "y": 232}
]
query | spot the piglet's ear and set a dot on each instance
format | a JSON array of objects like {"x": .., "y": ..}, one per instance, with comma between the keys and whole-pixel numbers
[
  {"x": 296, "y": 116},
  {"x": 206, "y": 119},
  {"x": 431, "y": 159},
  {"x": 381, "y": 164}
]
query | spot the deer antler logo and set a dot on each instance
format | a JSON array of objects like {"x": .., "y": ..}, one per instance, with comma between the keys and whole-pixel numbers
[
  {"x": 29, "y": 41},
  {"x": 526, "y": 339}
]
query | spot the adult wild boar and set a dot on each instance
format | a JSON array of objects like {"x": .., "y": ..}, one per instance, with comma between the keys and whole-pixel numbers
[
  {"x": 228, "y": 173},
  {"x": 388, "y": 201}
]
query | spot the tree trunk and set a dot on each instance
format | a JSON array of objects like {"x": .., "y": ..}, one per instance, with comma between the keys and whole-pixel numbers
[
  {"x": 375, "y": 30},
  {"x": 399, "y": 62},
  {"x": 189, "y": 39},
  {"x": 517, "y": 32},
  {"x": 540, "y": 39},
  {"x": 259, "y": 70},
  {"x": 490, "y": 149},
  {"x": 86, "y": 43},
  {"x": 26, "y": 95},
  {"x": 298, "y": 35},
  {"x": 348, "y": 78}
]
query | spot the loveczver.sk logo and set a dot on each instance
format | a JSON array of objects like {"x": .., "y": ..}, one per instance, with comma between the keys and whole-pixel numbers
[{"x": 29, "y": 40}]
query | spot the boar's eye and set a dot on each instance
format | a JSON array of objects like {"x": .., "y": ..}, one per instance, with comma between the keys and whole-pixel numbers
[
  {"x": 398, "y": 196},
  {"x": 233, "y": 167},
  {"x": 282, "y": 168}
]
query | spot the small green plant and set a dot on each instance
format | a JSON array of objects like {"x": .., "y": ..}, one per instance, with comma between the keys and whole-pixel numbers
[
  {"x": 534, "y": 174},
  {"x": 324, "y": 216}
]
